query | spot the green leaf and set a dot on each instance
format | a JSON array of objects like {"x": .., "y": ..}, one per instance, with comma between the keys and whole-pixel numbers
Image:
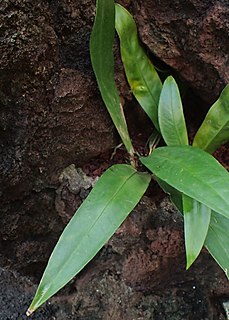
[
  {"x": 111, "y": 200},
  {"x": 196, "y": 223},
  {"x": 193, "y": 172},
  {"x": 141, "y": 75},
  {"x": 101, "y": 43},
  {"x": 214, "y": 130},
  {"x": 175, "y": 195},
  {"x": 217, "y": 241},
  {"x": 170, "y": 114}
]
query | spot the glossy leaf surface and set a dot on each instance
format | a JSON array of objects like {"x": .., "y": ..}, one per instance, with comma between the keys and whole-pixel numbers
[
  {"x": 217, "y": 241},
  {"x": 214, "y": 130},
  {"x": 101, "y": 43},
  {"x": 170, "y": 115},
  {"x": 196, "y": 223},
  {"x": 141, "y": 74},
  {"x": 114, "y": 196},
  {"x": 194, "y": 173}
]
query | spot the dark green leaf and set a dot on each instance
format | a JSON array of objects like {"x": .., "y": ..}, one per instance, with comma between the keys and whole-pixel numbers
[
  {"x": 217, "y": 241},
  {"x": 175, "y": 195},
  {"x": 194, "y": 173},
  {"x": 196, "y": 223},
  {"x": 214, "y": 130},
  {"x": 114, "y": 196},
  {"x": 101, "y": 43},
  {"x": 141, "y": 75},
  {"x": 170, "y": 115}
]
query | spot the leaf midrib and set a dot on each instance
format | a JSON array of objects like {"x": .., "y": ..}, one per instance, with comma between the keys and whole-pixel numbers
[
  {"x": 173, "y": 116},
  {"x": 86, "y": 232},
  {"x": 213, "y": 137},
  {"x": 197, "y": 178}
]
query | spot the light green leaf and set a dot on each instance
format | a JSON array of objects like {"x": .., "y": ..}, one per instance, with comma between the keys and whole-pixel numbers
[
  {"x": 193, "y": 172},
  {"x": 196, "y": 223},
  {"x": 214, "y": 130},
  {"x": 101, "y": 43},
  {"x": 217, "y": 241},
  {"x": 170, "y": 114},
  {"x": 141, "y": 75},
  {"x": 111, "y": 200}
]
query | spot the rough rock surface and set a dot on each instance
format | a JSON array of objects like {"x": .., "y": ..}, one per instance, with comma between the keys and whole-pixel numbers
[
  {"x": 192, "y": 37},
  {"x": 140, "y": 274},
  {"x": 52, "y": 117}
]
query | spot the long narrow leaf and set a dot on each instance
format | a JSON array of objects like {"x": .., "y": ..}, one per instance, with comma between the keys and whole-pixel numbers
[
  {"x": 217, "y": 241},
  {"x": 101, "y": 42},
  {"x": 170, "y": 115},
  {"x": 214, "y": 130},
  {"x": 196, "y": 223},
  {"x": 141, "y": 75},
  {"x": 114, "y": 196},
  {"x": 194, "y": 173}
]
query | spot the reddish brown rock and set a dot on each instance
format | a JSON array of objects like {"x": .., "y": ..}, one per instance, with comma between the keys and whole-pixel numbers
[{"x": 190, "y": 36}]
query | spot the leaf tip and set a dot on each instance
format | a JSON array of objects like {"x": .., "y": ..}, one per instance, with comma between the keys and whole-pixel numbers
[
  {"x": 189, "y": 262},
  {"x": 29, "y": 312}
]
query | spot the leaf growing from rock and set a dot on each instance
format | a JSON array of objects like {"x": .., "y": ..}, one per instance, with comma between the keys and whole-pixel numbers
[
  {"x": 217, "y": 241},
  {"x": 170, "y": 115},
  {"x": 101, "y": 43},
  {"x": 196, "y": 223},
  {"x": 214, "y": 130},
  {"x": 194, "y": 173},
  {"x": 141, "y": 75},
  {"x": 114, "y": 196}
]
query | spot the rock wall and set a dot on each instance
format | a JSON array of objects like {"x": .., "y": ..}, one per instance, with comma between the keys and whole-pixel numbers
[
  {"x": 52, "y": 121},
  {"x": 51, "y": 116},
  {"x": 191, "y": 36}
]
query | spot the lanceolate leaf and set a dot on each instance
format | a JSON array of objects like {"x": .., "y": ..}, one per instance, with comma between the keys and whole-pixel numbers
[
  {"x": 141, "y": 75},
  {"x": 217, "y": 241},
  {"x": 114, "y": 196},
  {"x": 196, "y": 223},
  {"x": 194, "y": 173},
  {"x": 102, "y": 38},
  {"x": 214, "y": 130},
  {"x": 170, "y": 115}
]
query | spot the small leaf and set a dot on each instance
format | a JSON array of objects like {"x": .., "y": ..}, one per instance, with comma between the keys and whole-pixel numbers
[
  {"x": 193, "y": 172},
  {"x": 141, "y": 75},
  {"x": 214, "y": 130},
  {"x": 170, "y": 115},
  {"x": 101, "y": 43},
  {"x": 196, "y": 223},
  {"x": 217, "y": 241},
  {"x": 114, "y": 196}
]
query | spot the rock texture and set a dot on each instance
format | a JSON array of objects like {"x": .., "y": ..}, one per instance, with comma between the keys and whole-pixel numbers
[
  {"x": 51, "y": 116},
  {"x": 52, "y": 121},
  {"x": 192, "y": 37},
  {"x": 140, "y": 274}
]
